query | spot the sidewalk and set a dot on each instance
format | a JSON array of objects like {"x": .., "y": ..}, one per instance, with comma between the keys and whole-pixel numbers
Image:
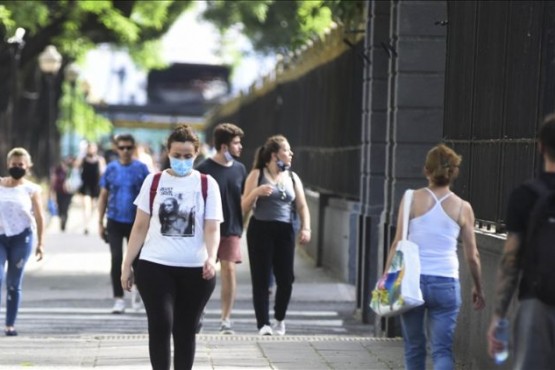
[{"x": 65, "y": 320}]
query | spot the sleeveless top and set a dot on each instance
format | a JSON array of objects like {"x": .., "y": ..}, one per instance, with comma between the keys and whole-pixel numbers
[
  {"x": 436, "y": 235},
  {"x": 90, "y": 172},
  {"x": 16, "y": 208},
  {"x": 277, "y": 206}
]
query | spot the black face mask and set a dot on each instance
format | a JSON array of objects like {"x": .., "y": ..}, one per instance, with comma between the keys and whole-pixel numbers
[{"x": 16, "y": 172}]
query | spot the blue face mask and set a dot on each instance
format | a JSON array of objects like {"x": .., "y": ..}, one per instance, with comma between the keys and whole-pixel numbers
[
  {"x": 227, "y": 155},
  {"x": 181, "y": 167},
  {"x": 282, "y": 166}
]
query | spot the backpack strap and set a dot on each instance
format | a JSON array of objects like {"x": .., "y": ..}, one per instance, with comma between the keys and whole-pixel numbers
[
  {"x": 204, "y": 186},
  {"x": 292, "y": 178},
  {"x": 539, "y": 187},
  {"x": 156, "y": 181},
  {"x": 154, "y": 189},
  {"x": 543, "y": 192},
  {"x": 294, "y": 189}
]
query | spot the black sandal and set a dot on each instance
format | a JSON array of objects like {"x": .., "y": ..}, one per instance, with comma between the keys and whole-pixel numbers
[{"x": 10, "y": 332}]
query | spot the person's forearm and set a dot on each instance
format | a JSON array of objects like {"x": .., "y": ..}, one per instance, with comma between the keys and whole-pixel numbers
[
  {"x": 136, "y": 240},
  {"x": 305, "y": 218},
  {"x": 40, "y": 229},
  {"x": 39, "y": 217},
  {"x": 247, "y": 202},
  {"x": 507, "y": 280},
  {"x": 212, "y": 239},
  {"x": 476, "y": 273},
  {"x": 391, "y": 253},
  {"x": 102, "y": 206}
]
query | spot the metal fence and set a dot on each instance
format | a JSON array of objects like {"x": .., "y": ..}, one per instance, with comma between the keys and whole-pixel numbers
[
  {"x": 500, "y": 80},
  {"x": 320, "y": 114},
  {"x": 499, "y": 84}
]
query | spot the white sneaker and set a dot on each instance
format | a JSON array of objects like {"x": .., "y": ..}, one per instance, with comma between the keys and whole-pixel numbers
[
  {"x": 136, "y": 301},
  {"x": 119, "y": 306},
  {"x": 265, "y": 330},
  {"x": 279, "y": 327},
  {"x": 225, "y": 328}
]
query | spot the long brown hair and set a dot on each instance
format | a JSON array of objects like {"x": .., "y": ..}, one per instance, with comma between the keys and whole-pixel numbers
[{"x": 263, "y": 154}]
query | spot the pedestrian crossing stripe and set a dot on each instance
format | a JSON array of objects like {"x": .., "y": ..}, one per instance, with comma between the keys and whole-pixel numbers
[{"x": 237, "y": 312}]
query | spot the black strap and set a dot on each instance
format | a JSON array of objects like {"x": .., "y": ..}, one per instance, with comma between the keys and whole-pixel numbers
[
  {"x": 156, "y": 181},
  {"x": 154, "y": 189},
  {"x": 543, "y": 192}
]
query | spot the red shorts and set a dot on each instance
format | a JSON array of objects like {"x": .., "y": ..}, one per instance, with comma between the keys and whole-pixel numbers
[{"x": 230, "y": 249}]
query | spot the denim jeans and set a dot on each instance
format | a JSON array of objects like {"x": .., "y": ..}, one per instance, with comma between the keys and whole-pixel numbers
[
  {"x": 15, "y": 250},
  {"x": 435, "y": 319}
]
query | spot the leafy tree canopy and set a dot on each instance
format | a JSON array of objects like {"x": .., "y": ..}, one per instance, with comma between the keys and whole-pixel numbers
[
  {"x": 281, "y": 26},
  {"x": 75, "y": 27}
]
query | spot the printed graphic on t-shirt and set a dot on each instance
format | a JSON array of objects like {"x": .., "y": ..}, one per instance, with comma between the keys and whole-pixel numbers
[{"x": 176, "y": 213}]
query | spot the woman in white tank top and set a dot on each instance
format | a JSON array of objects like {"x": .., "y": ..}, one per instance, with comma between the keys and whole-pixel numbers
[{"x": 437, "y": 217}]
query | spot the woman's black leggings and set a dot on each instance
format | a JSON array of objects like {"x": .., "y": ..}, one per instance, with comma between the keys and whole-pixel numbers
[
  {"x": 271, "y": 246},
  {"x": 174, "y": 299}
]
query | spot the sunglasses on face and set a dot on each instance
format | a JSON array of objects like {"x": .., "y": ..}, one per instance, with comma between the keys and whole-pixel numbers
[{"x": 125, "y": 147}]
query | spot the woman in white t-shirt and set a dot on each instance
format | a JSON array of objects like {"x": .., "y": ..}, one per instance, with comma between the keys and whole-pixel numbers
[
  {"x": 20, "y": 213},
  {"x": 175, "y": 272}
]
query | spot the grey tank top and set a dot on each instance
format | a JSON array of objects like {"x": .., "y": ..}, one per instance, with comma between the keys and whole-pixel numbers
[{"x": 276, "y": 207}]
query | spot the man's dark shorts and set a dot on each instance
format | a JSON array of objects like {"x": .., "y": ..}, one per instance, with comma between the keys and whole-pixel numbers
[{"x": 230, "y": 249}]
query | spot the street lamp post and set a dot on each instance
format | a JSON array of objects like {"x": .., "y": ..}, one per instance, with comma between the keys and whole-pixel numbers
[
  {"x": 71, "y": 75},
  {"x": 16, "y": 44},
  {"x": 50, "y": 62}
]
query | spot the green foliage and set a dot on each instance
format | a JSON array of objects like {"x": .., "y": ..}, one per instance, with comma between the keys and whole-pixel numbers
[
  {"x": 151, "y": 14},
  {"x": 75, "y": 27},
  {"x": 281, "y": 26},
  {"x": 314, "y": 18},
  {"x": 32, "y": 15},
  {"x": 6, "y": 21},
  {"x": 147, "y": 55},
  {"x": 77, "y": 116}
]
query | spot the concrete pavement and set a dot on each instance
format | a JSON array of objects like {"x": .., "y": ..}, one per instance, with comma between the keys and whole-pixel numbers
[{"x": 65, "y": 320}]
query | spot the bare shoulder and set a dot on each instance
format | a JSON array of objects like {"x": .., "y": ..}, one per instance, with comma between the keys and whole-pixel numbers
[
  {"x": 422, "y": 196},
  {"x": 420, "y": 192},
  {"x": 296, "y": 177},
  {"x": 466, "y": 214},
  {"x": 253, "y": 175},
  {"x": 466, "y": 207}
]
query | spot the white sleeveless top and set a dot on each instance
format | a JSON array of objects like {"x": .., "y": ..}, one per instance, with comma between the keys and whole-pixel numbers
[
  {"x": 436, "y": 235},
  {"x": 16, "y": 208}
]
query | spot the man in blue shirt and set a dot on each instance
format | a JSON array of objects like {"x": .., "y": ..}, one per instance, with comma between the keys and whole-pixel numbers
[{"x": 119, "y": 186}]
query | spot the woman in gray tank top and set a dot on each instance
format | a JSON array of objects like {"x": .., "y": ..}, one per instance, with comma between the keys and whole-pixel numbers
[{"x": 276, "y": 196}]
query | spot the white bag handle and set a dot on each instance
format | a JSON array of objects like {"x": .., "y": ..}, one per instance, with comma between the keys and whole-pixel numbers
[{"x": 407, "y": 201}]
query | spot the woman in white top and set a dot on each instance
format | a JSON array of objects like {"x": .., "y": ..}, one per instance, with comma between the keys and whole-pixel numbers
[
  {"x": 20, "y": 213},
  {"x": 437, "y": 218},
  {"x": 175, "y": 272}
]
